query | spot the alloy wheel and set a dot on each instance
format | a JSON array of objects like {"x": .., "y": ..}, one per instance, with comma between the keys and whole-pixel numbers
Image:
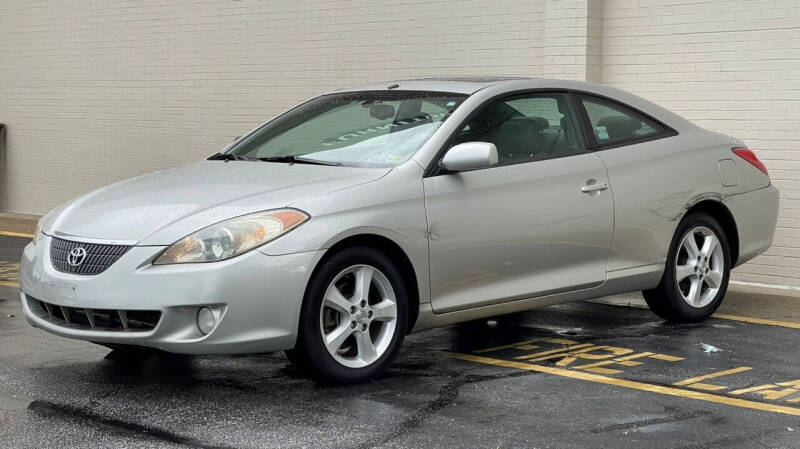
[
  {"x": 358, "y": 317},
  {"x": 699, "y": 266}
]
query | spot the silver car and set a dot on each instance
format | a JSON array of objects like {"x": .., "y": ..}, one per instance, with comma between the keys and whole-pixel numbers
[{"x": 359, "y": 216}]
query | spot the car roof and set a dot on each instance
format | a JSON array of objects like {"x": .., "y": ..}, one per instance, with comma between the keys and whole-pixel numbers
[
  {"x": 500, "y": 84},
  {"x": 470, "y": 84},
  {"x": 455, "y": 84}
]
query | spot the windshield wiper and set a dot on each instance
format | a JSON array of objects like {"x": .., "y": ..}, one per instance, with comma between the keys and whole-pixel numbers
[
  {"x": 286, "y": 159},
  {"x": 228, "y": 157},
  {"x": 298, "y": 160}
]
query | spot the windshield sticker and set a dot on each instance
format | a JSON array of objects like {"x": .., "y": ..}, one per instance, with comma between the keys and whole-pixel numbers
[
  {"x": 395, "y": 158},
  {"x": 602, "y": 132}
]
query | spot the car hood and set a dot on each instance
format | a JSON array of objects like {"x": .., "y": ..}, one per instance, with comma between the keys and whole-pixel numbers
[{"x": 162, "y": 207}]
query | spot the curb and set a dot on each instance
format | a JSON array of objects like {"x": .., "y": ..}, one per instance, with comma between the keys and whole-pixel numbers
[{"x": 13, "y": 223}]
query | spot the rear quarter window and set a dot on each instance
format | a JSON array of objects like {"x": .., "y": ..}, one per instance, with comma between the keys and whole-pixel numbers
[{"x": 612, "y": 123}]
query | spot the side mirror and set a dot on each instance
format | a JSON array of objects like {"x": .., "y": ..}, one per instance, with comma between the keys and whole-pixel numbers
[{"x": 470, "y": 156}]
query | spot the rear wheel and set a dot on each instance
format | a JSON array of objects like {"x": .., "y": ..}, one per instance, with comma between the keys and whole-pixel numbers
[
  {"x": 354, "y": 317},
  {"x": 696, "y": 273}
]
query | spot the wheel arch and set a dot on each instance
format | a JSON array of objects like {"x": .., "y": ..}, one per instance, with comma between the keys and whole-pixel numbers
[
  {"x": 396, "y": 253},
  {"x": 723, "y": 215}
]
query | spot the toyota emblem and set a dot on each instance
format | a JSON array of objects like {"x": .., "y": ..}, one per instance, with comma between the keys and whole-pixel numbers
[{"x": 76, "y": 257}]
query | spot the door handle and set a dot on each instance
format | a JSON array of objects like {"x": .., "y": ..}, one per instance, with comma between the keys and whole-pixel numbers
[{"x": 594, "y": 186}]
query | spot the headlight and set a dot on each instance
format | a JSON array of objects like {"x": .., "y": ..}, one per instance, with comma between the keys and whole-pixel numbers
[
  {"x": 37, "y": 232},
  {"x": 232, "y": 237}
]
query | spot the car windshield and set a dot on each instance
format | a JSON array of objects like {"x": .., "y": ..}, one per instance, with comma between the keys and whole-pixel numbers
[{"x": 367, "y": 129}]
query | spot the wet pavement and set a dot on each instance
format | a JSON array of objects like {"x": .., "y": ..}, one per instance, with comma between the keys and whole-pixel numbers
[{"x": 582, "y": 375}]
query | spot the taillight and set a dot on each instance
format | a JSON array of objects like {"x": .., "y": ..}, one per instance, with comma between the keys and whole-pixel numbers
[{"x": 749, "y": 156}]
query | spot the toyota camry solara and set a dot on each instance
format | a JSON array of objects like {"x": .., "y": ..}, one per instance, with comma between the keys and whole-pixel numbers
[{"x": 335, "y": 229}]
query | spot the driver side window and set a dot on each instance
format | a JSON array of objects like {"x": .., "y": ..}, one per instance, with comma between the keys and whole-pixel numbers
[{"x": 527, "y": 128}]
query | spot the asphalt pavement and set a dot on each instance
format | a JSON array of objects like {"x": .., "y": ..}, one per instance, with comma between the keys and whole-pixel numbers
[{"x": 581, "y": 375}]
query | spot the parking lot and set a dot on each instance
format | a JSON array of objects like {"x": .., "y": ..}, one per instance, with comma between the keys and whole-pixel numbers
[{"x": 586, "y": 375}]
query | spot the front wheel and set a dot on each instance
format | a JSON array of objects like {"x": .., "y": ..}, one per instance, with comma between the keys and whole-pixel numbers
[
  {"x": 696, "y": 273},
  {"x": 354, "y": 317}
]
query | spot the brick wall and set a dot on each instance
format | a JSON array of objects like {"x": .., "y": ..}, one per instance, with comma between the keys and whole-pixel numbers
[
  {"x": 729, "y": 66},
  {"x": 98, "y": 91}
]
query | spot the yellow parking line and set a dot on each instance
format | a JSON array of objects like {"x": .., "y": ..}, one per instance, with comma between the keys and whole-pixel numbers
[
  {"x": 9, "y": 284},
  {"x": 16, "y": 234},
  {"x": 747, "y": 319},
  {"x": 554, "y": 351},
  {"x": 635, "y": 385},
  {"x": 508, "y": 346},
  {"x": 692, "y": 380}
]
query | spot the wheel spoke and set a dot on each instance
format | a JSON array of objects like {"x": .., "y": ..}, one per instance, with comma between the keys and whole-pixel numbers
[
  {"x": 690, "y": 244},
  {"x": 684, "y": 271},
  {"x": 699, "y": 276},
  {"x": 354, "y": 332},
  {"x": 709, "y": 246},
  {"x": 363, "y": 281},
  {"x": 713, "y": 279},
  {"x": 335, "y": 300},
  {"x": 336, "y": 337},
  {"x": 366, "y": 348},
  {"x": 385, "y": 310},
  {"x": 694, "y": 291}
]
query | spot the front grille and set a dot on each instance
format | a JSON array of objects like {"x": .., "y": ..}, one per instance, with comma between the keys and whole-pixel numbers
[
  {"x": 96, "y": 319},
  {"x": 98, "y": 256}
]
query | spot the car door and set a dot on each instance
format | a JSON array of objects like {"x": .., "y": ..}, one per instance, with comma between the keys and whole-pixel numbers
[
  {"x": 538, "y": 223},
  {"x": 648, "y": 173}
]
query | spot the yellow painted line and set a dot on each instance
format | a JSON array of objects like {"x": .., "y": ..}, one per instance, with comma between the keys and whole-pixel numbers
[
  {"x": 16, "y": 234},
  {"x": 666, "y": 358},
  {"x": 635, "y": 385},
  {"x": 553, "y": 351},
  {"x": 752, "y": 389},
  {"x": 709, "y": 387},
  {"x": 508, "y": 346},
  {"x": 9, "y": 284},
  {"x": 692, "y": 380},
  {"x": 747, "y": 319},
  {"x": 766, "y": 392}
]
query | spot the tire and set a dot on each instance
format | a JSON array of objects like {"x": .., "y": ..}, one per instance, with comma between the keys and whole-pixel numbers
[
  {"x": 691, "y": 289},
  {"x": 364, "y": 331}
]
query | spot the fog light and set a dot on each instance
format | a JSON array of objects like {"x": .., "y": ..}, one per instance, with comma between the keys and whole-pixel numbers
[{"x": 207, "y": 318}]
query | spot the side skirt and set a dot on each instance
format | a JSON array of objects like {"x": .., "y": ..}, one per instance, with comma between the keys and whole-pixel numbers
[{"x": 618, "y": 281}]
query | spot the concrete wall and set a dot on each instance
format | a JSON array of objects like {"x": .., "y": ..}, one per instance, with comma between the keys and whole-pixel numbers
[{"x": 94, "y": 92}]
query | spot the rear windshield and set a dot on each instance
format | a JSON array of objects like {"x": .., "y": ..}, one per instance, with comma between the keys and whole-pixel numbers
[{"x": 368, "y": 128}]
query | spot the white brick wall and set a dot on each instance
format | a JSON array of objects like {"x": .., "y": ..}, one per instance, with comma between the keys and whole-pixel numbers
[
  {"x": 729, "y": 66},
  {"x": 98, "y": 91},
  {"x": 565, "y": 39}
]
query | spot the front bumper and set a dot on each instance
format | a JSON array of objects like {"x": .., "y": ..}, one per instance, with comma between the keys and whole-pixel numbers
[{"x": 259, "y": 298}]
